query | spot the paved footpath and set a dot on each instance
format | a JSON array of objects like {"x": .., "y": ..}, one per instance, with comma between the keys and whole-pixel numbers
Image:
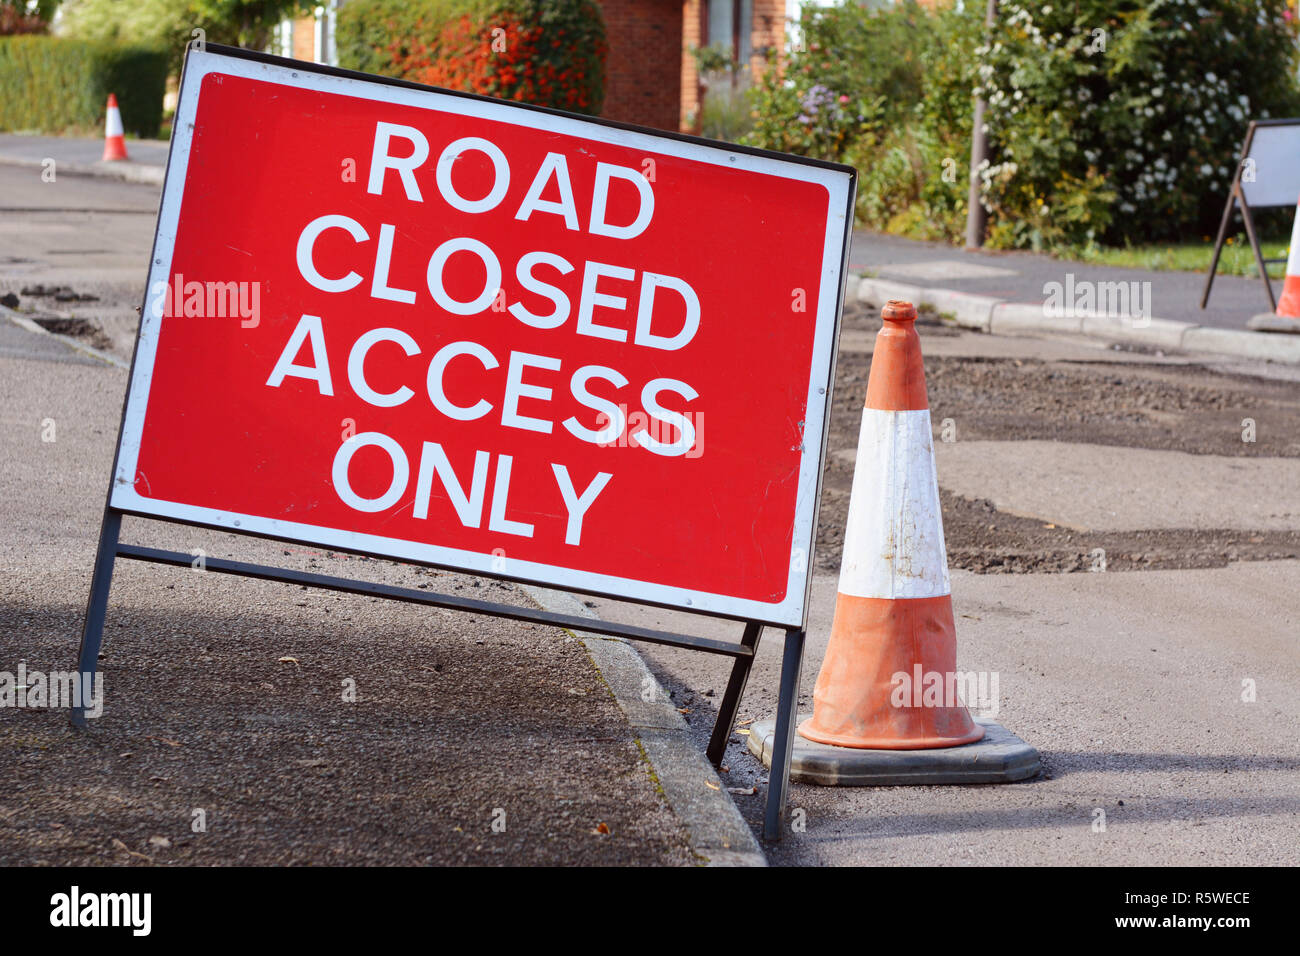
[
  {"x": 82, "y": 156},
  {"x": 1020, "y": 277}
]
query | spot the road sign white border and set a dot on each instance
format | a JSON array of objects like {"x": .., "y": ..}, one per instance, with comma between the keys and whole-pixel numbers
[{"x": 790, "y": 611}]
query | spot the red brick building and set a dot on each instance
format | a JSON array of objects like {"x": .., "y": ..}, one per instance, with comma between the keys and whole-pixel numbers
[
  {"x": 651, "y": 73},
  {"x": 643, "y": 82}
]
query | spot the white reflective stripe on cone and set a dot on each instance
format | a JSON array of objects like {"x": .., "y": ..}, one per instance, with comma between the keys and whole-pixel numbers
[
  {"x": 893, "y": 545},
  {"x": 114, "y": 122}
]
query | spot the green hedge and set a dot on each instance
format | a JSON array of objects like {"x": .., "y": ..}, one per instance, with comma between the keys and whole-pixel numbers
[{"x": 56, "y": 85}]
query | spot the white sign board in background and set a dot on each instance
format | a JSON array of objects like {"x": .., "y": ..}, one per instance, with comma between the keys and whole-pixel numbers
[{"x": 1271, "y": 168}]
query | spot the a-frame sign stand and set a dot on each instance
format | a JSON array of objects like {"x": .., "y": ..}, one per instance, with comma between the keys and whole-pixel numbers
[
  {"x": 1237, "y": 200},
  {"x": 784, "y": 177},
  {"x": 742, "y": 653}
]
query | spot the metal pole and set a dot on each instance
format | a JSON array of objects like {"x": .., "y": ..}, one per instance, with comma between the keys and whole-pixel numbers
[
  {"x": 731, "y": 699},
  {"x": 101, "y": 580},
  {"x": 787, "y": 715},
  {"x": 976, "y": 215},
  {"x": 735, "y": 41}
]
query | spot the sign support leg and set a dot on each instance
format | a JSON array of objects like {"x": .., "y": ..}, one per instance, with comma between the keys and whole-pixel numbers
[
  {"x": 1249, "y": 220},
  {"x": 1218, "y": 242},
  {"x": 787, "y": 713},
  {"x": 731, "y": 699},
  {"x": 92, "y": 634}
]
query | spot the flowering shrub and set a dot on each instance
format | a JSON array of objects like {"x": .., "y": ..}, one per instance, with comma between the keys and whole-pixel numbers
[
  {"x": 1123, "y": 120},
  {"x": 824, "y": 122},
  {"x": 914, "y": 172},
  {"x": 808, "y": 119},
  {"x": 853, "y": 73},
  {"x": 889, "y": 91},
  {"x": 1109, "y": 120},
  {"x": 547, "y": 52}
]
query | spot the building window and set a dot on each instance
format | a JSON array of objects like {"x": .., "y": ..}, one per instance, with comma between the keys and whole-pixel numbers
[{"x": 729, "y": 27}]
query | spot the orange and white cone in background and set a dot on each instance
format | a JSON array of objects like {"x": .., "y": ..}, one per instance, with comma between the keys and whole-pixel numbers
[
  {"x": 114, "y": 135},
  {"x": 1288, "y": 306},
  {"x": 893, "y": 615}
]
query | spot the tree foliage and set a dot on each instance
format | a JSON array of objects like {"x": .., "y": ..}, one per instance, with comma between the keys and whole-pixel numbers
[{"x": 1108, "y": 120}]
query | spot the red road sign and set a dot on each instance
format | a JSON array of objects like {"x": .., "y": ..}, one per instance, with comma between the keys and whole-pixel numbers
[{"x": 450, "y": 330}]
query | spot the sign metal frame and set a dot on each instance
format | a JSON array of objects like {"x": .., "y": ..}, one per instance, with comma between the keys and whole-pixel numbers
[
  {"x": 1237, "y": 198},
  {"x": 742, "y": 652}
]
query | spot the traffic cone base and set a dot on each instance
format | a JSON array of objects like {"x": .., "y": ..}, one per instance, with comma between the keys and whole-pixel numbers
[
  {"x": 999, "y": 757},
  {"x": 1288, "y": 306}
]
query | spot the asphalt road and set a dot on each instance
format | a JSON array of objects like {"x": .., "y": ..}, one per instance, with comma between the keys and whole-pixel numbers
[
  {"x": 1132, "y": 682},
  {"x": 77, "y": 246}
]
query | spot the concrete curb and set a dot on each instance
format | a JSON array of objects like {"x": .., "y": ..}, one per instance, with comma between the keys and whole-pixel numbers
[
  {"x": 968, "y": 310},
  {"x": 715, "y": 828},
  {"x": 24, "y": 322},
  {"x": 998, "y": 317},
  {"x": 127, "y": 171}
]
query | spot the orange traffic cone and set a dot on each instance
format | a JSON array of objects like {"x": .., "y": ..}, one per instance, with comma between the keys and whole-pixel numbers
[
  {"x": 1288, "y": 306},
  {"x": 893, "y": 615},
  {"x": 114, "y": 135}
]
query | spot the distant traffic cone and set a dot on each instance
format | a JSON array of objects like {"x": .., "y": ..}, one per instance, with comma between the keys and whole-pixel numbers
[
  {"x": 893, "y": 617},
  {"x": 1289, "y": 305},
  {"x": 114, "y": 135}
]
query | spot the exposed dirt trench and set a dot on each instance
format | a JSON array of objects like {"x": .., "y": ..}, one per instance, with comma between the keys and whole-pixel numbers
[{"x": 1193, "y": 409}]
